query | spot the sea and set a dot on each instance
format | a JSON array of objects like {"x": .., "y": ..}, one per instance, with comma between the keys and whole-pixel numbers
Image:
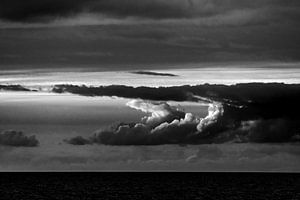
[{"x": 172, "y": 186}]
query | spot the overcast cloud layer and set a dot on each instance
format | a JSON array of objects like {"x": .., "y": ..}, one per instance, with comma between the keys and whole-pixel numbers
[
  {"x": 98, "y": 33},
  {"x": 46, "y": 10}
]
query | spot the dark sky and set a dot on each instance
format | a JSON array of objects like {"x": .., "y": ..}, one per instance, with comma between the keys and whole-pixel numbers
[{"x": 71, "y": 33}]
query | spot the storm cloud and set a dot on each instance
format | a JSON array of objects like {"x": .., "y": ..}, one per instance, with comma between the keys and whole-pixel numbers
[{"x": 254, "y": 112}]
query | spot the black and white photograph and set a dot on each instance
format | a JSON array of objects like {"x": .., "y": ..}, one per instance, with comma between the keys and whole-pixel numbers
[{"x": 149, "y": 99}]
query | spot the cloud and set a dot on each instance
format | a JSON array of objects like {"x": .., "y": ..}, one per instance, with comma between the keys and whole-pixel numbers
[
  {"x": 77, "y": 141},
  {"x": 48, "y": 10},
  {"x": 206, "y": 157},
  {"x": 211, "y": 152},
  {"x": 160, "y": 93},
  {"x": 246, "y": 95},
  {"x": 263, "y": 30},
  {"x": 271, "y": 130},
  {"x": 240, "y": 102},
  {"x": 34, "y": 10},
  {"x": 17, "y": 139},
  {"x": 153, "y": 73},
  {"x": 215, "y": 111},
  {"x": 160, "y": 112},
  {"x": 258, "y": 152},
  {"x": 164, "y": 125},
  {"x": 13, "y": 88},
  {"x": 254, "y": 112}
]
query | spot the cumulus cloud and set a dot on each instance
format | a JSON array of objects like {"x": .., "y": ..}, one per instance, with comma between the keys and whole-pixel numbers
[
  {"x": 17, "y": 139},
  {"x": 253, "y": 112},
  {"x": 215, "y": 111},
  {"x": 160, "y": 112},
  {"x": 164, "y": 125}
]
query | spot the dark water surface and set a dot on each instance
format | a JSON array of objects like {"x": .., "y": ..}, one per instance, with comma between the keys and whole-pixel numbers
[{"x": 149, "y": 186}]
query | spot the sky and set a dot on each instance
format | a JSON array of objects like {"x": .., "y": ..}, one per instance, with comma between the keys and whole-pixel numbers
[
  {"x": 120, "y": 34},
  {"x": 149, "y": 43},
  {"x": 45, "y": 79},
  {"x": 47, "y": 122}
]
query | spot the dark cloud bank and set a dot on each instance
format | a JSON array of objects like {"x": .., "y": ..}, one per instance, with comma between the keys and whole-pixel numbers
[
  {"x": 14, "y": 88},
  {"x": 36, "y": 10},
  {"x": 253, "y": 112},
  {"x": 41, "y": 34},
  {"x": 17, "y": 139},
  {"x": 153, "y": 73}
]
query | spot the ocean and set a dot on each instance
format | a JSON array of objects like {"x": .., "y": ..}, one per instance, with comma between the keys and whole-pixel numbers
[{"x": 85, "y": 186}]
